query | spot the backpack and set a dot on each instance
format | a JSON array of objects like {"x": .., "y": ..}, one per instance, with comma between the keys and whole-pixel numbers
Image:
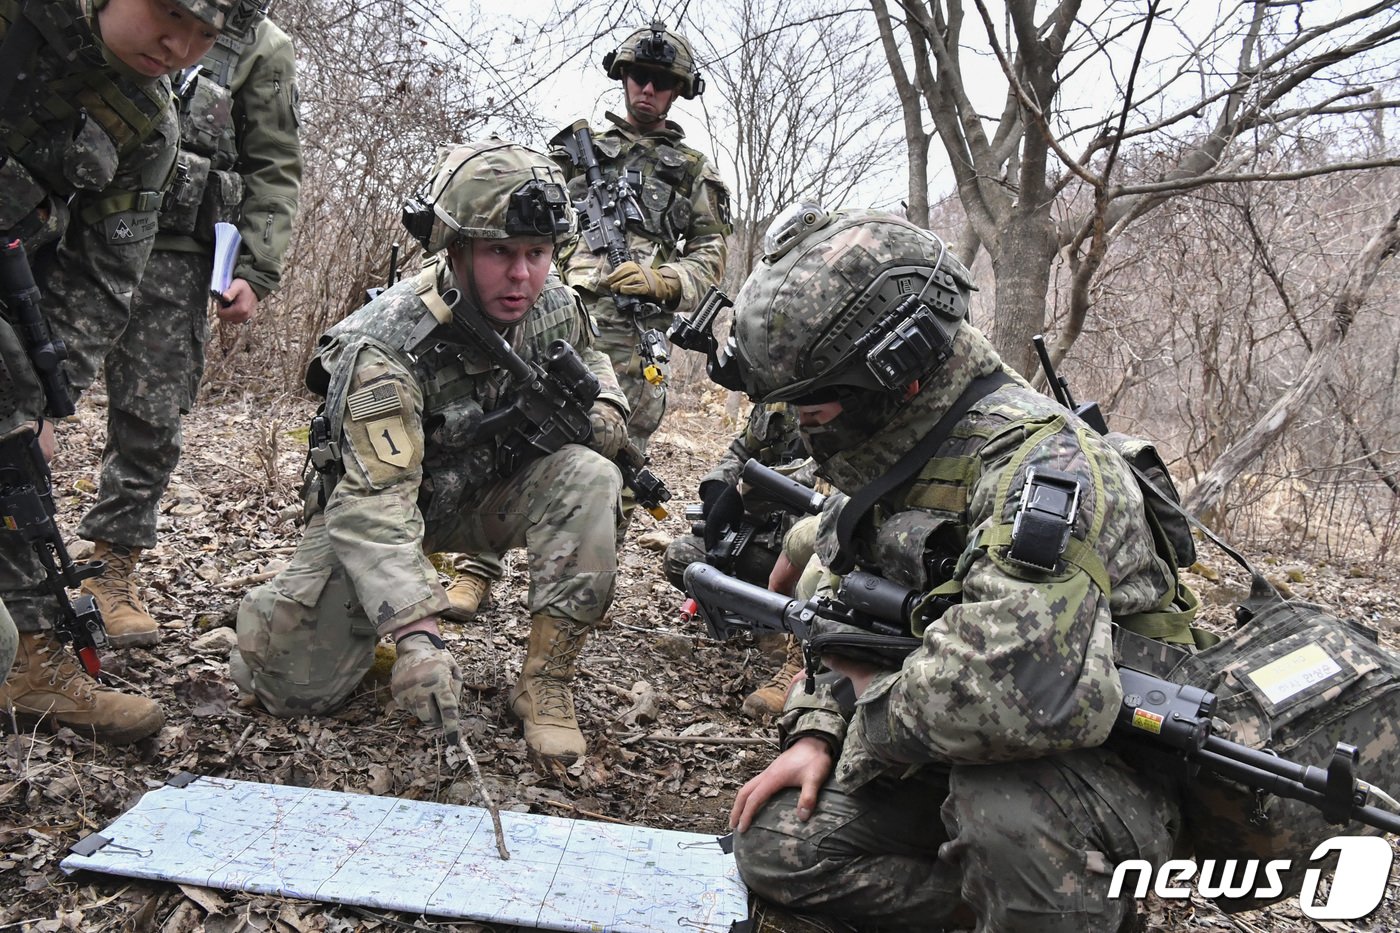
[
  {"x": 1291, "y": 679},
  {"x": 1294, "y": 680}
]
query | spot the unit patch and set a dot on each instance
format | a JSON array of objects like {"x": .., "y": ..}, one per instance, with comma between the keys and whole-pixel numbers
[{"x": 391, "y": 441}]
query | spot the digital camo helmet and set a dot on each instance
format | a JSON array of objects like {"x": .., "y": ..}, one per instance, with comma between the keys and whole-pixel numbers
[
  {"x": 214, "y": 13},
  {"x": 855, "y": 303},
  {"x": 490, "y": 190},
  {"x": 659, "y": 48}
]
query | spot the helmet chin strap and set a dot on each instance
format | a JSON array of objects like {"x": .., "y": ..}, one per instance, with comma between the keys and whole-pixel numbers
[
  {"x": 472, "y": 297},
  {"x": 641, "y": 118}
]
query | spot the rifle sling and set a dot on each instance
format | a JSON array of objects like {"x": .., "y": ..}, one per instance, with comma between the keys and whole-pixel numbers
[{"x": 908, "y": 467}]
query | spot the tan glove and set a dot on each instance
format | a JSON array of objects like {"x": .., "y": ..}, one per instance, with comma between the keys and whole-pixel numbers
[
  {"x": 609, "y": 428},
  {"x": 427, "y": 681},
  {"x": 662, "y": 283}
]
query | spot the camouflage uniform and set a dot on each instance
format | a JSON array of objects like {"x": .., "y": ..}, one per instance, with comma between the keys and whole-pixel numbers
[
  {"x": 770, "y": 436},
  {"x": 89, "y": 149},
  {"x": 415, "y": 476},
  {"x": 250, "y": 146},
  {"x": 974, "y": 774},
  {"x": 682, "y": 198}
]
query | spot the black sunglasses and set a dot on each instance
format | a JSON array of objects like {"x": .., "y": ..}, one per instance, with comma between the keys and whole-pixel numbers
[{"x": 660, "y": 80}]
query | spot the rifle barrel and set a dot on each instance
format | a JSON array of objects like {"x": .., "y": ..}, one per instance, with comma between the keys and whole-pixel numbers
[{"x": 788, "y": 493}]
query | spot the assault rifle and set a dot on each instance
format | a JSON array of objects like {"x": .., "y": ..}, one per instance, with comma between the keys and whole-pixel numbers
[
  {"x": 26, "y": 486},
  {"x": 1089, "y": 412},
  {"x": 1166, "y": 718},
  {"x": 607, "y": 207},
  {"x": 551, "y": 408},
  {"x": 734, "y": 537}
]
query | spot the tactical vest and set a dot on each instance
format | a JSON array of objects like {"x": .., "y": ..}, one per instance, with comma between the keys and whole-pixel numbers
[
  {"x": 412, "y": 323},
  {"x": 669, "y": 174},
  {"x": 69, "y": 121},
  {"x": 206, "y": 189},
  {"x": 934, "y": 511}
]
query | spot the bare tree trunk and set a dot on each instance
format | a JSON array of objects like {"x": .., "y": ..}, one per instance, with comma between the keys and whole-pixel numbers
[
  {"x": 1232, "y": 462},
  {"x": 1022, "y": 267}
]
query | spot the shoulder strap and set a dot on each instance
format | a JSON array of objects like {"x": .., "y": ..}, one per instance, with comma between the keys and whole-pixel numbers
[
  {"x": 908, "y": 467},
  {"x": 21, "y": 39}
]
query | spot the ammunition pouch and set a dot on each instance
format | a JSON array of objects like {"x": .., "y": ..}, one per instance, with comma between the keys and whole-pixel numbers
[
  {"x": 90, "y": 159},
  {"x": 20, "y": 194},
  {"x": 200, "y": 197}
]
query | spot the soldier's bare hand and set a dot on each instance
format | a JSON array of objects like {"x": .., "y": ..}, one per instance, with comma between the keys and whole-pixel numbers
[
  {"x": 47, "y": 442},
  {"x": 427, "y": 681},
  {"x": 242, "y": 303},
  {"x": 858, "y": 673},
  {"x": 806, "y": 764}
]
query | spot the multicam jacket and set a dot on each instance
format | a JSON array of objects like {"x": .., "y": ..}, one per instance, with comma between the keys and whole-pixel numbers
[
  {"x": 89, "y": 147},
  {"x": 444, "y": 383},
  {"x": 1023, "y": 666},
  {"x": 682, "y": 200}
]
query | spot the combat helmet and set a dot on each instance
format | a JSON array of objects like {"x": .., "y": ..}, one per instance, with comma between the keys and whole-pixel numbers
[
  {"x": 215, "y": 13},
  {"x": 245, "y": 15},
  {"x": 858, "y": 303},
  {"x": 660, "y": 48},
  {"x": 490, "y": 190}
]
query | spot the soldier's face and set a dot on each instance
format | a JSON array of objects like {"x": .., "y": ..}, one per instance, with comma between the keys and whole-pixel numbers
[
  {"x": 814, "y": 416},
  {"x": 647, "y": 106},
  {"x": 508, "y": 274},
  {"x": 154, "y": 37}
]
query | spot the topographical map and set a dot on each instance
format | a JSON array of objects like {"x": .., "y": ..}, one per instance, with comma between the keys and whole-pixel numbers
[{"x": 422, "y": 857}]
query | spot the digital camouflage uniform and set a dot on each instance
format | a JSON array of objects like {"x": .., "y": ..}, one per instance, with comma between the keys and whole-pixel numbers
[
  {"x": 974, "y": 774},
  {"x": 240, "y": 161},
  {"x": 89, "y": 147},
  {"x": 415, "y": 476},
  {"x": 682, "y": 199},
  {"x": 770, "y": 437}
]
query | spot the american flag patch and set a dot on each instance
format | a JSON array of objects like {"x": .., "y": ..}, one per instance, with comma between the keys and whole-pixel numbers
[{"x": 373, "y": 402}]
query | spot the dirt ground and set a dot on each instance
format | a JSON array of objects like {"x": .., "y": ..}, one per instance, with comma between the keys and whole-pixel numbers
[{"x": 659, "y": 703}]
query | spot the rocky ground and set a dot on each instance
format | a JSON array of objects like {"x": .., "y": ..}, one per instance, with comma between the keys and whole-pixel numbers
[{"x": 659, "y": 703}]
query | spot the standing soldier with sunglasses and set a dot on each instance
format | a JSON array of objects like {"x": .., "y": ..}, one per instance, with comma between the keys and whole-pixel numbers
[{"x": 677, "y": 243}]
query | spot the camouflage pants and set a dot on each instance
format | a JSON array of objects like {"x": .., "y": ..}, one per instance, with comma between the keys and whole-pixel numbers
[
  {"x": 618, "y": 339},
  {"x": 305, "y": 641},
  {"x": 9, "y": 642},
  {"x": 153, "y": 376},
  {"x": 1028, "y": 846}
]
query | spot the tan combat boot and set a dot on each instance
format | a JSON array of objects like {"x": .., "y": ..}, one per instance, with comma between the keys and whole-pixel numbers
[
  {"x": 128, "y": 623},
  {"x": 767, "y": 701},
  {"x": 541, "y": 698},
  {"x": 46, "y": 684},
  {"x": 467, "y": 593}
]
